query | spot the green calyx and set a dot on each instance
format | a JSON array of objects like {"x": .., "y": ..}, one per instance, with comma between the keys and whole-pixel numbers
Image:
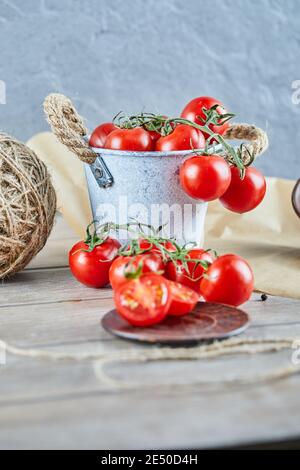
[{"x": 165, "y": 126}]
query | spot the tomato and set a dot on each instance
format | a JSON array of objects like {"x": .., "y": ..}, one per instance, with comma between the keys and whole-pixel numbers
[
  {"x": 129, "y": 139},
  {"x": 183, "y": 300},
  {"x": 143, "y": 301},
  {"x": 92, "y": 268},
  {"x": 194, "y": 110},
  {"x": 150, "y": 263},
  {"x": 243, "y": 195},
  {"x": 229, "y": 280},
  {"x": 205, "y": 177},
  {"x": 100, "y": 134},
  {"x": 189, "y": 277},
  {"x": 152, "y": 248},
  {"x": 183, "y": 137},
  {"x": 154, "y": 136}
]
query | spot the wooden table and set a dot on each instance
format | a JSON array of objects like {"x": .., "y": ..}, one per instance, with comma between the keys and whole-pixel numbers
[{"x": 64, "y": 404}]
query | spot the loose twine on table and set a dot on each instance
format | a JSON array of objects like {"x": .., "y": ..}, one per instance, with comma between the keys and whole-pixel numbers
[
  {"x": 204, "y": 351},
  {"x": 69, "y": 128}
]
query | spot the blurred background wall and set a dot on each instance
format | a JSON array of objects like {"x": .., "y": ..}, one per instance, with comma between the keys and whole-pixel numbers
[{"x": 111, "y": 55}]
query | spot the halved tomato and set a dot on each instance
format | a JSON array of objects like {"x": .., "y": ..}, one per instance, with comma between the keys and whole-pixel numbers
[
  {"x": 143, "y": 301},
  {"x": 183, "y": 300}
]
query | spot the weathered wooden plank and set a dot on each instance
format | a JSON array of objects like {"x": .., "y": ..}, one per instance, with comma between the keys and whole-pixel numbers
[
  {"x": 76, "y": 321},
  {"x": 156, "y": 419},
  {"x": 24, "y": 379},
  {"x": 44, "y": 286}
]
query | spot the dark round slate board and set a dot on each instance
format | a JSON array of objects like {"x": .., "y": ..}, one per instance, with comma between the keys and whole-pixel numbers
[{"x": 208, "y": 321}]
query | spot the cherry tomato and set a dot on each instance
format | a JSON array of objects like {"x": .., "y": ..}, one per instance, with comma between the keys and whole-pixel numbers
[
  {"x": 183, "y": 300},
  {"x": 129, "y": 139},
  {"x": 205, "y": 177},
  {"x": 183, "y": 137},
  {"x": 150, "y": 263},
  {"x": 229, "y": 280},
  {"x": 143, "y": 301},
  {"x": 194, "y": 110},
  {"x": 100, "y": 134},
  {"x": 243, "y": 195},
  {"x": 92, "y": 268},
  {"x": 154, "y": 134},
  {"x": 189, "y": 277},
  {"x": 152, "y": 248}
]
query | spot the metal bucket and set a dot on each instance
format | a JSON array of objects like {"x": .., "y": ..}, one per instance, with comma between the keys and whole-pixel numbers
[
  {"x": 144, "y": 186},
  {"x": 141, "y": 185}
]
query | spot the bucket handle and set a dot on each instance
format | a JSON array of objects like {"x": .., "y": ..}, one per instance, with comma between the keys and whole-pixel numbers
[{"x": 69, "y": 128}]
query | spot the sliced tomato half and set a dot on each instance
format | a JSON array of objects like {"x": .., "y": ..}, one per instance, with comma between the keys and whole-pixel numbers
[
  {"x": 183, "y": 299},
  {"x": 144, "y": 301}
]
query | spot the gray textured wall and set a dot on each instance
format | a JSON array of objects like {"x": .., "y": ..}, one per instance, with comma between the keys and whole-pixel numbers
[{"x": 111, "y": 55}]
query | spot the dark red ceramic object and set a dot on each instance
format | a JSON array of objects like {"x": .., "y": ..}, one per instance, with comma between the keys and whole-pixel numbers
[
  {"x": 296, "y": 198},
  {"x": 208, "y": 321}
]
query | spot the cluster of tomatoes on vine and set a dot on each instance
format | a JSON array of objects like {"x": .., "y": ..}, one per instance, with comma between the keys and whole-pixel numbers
[
  {"x": 205, "y": 175},
  {"x": 153, "y": 277}
]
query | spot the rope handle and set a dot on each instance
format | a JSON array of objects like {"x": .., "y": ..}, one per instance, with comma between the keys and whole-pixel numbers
[{"x": 69, "y": 128}]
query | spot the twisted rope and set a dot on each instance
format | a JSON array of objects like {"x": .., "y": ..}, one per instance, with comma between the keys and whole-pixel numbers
[
  {"x": 69, "y": 128},
  {"x": 205, "y": 351},
  {"x": 257, "y": 137}
]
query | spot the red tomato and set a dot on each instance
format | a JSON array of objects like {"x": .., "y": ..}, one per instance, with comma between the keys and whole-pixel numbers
[
  {"x": 205, "y": 177},
  {"x": 129, "y": 139},
  {"x": 244, "y": 195},
  {"x": 92, "y": 268},
  {"x": 183, "y": 137},
  {"x": 194, "y": 109},
  {"x": 144, "y": 301},
  {"x": 154, "y": 136},
  {"x": 229, "y": 280},
  {"x": 100, "y": 134},
  {"x": 150, "y": 262},
  {"x": 191, "y": 276},
  {"x": 183, "y": 300},
  {"x": 151, "y": 248}
]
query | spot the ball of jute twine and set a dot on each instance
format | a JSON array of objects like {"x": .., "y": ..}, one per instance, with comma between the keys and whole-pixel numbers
[
  {"x": 27, "y": 205},
  {"x": 69, "y": 128},
  {"x": 152, "y": 354}
]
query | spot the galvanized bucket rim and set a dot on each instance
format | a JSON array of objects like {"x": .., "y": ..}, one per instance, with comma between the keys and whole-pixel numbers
[{"x": 126, "y": 153}]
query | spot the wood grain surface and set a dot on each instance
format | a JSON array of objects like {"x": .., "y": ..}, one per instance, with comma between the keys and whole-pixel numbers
[{"x": 65, "y": 404}]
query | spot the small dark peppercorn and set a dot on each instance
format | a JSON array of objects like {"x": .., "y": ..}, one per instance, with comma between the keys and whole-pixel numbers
[{"x": 263, "y": 297}]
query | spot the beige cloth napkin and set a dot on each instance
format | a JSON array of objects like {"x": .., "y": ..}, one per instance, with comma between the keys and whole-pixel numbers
[{"x": 268, "y": 237}]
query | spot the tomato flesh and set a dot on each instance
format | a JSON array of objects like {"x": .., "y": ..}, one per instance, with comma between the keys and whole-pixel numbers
[
  {"x": 144, "y": 301},
  {"x": 183, "y": 300}
]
